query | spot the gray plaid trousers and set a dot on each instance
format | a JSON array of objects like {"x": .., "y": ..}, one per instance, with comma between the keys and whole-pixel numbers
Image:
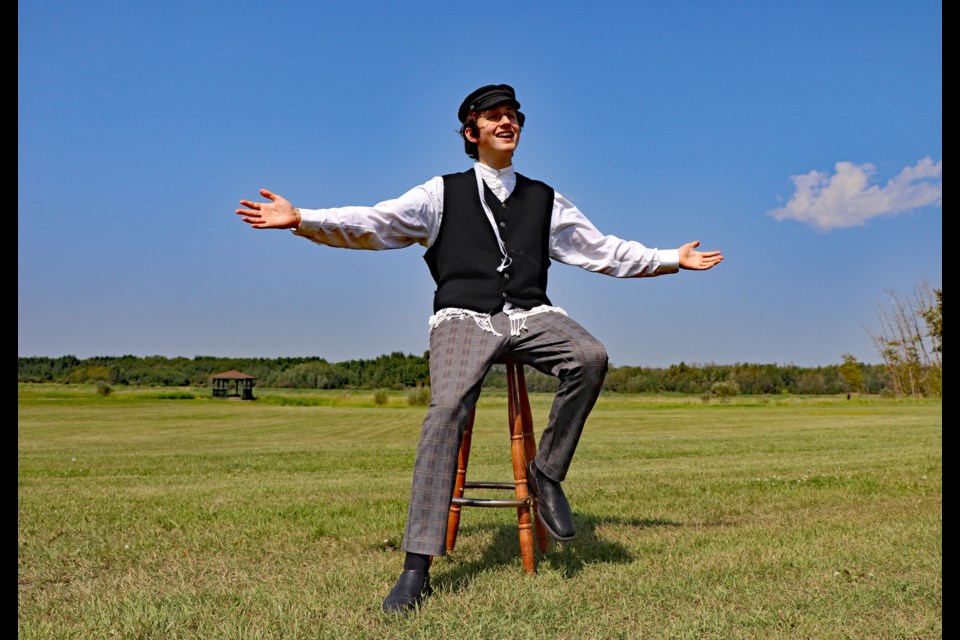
[{"x": 461, "y": 354}]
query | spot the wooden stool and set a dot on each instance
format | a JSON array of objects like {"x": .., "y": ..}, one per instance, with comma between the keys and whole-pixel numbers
[{"x": 523, "y": 448}]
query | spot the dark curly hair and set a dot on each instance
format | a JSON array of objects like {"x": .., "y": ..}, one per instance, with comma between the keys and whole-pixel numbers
[{"x": 469, "y": 147}]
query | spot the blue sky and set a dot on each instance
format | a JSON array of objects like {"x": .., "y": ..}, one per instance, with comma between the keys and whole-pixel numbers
[{"x": 803, "y": 139}]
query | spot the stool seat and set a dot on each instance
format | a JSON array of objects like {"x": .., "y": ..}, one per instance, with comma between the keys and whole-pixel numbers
[{"x": 523, "y": 449}]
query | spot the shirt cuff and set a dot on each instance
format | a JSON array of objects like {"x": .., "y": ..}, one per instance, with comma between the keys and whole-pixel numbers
[
  {"x": 311, "y": 221},
  {"x": 669, "y": 261}
]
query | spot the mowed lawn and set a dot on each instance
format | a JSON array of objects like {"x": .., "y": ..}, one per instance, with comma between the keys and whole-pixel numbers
[{"x": 147, "y": 514}]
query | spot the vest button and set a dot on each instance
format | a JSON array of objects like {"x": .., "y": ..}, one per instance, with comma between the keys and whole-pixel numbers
[
  {"x": 504, "y": 294},
  {"x": 506, "y": 276},
  {"x": 503, "y": 225}
]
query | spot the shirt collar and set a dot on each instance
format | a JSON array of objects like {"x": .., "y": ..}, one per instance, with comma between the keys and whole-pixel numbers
[{"x": 501, "y": 174}]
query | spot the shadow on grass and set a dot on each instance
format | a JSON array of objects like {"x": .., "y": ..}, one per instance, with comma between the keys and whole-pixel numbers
[{"x": 569, "y": 557}]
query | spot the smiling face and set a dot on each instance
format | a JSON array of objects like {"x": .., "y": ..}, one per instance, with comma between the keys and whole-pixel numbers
[{"x": 498, "y": 135}]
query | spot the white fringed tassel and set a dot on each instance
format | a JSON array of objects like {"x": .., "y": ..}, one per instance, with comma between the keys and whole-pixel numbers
[
  {"x": 518, "y": 323},
  {"x": 518, "y": 318},
  {"x": 482, "y": 319}
]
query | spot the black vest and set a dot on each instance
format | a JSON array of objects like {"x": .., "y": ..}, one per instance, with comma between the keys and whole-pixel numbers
[{"x": 464, "y": 258}]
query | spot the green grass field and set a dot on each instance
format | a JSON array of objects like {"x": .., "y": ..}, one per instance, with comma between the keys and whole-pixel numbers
[{"x": 141, "y": 515}]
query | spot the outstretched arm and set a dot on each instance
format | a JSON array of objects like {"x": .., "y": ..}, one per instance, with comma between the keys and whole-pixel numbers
[
  {"x": 279, "y": 213},
  {"x": 576, "y": 241},
  {"x": 413, "y": 218},
  {"x": 698, "y": 260}
]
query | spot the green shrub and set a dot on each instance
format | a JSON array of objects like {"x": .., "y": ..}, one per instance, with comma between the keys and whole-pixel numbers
[
  {"x": 173, "y": 395},
  {"x": 725, "y": 389},
  {"x": 380, "y": 397},
  {"x": 103, "y": 388},
  {"x": 418, "y": 396}
]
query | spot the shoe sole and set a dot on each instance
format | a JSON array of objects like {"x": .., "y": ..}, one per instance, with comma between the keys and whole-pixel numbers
[{"x": 553, "y": 534}]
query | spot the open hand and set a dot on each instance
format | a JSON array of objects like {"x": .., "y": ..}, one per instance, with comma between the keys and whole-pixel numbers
[
  {"x": 279, "y": 213},
  {"x": 695, "y": 260}
]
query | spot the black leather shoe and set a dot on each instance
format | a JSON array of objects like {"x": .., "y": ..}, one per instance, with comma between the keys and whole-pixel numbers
[
  {"x": 552, "y": 506},
  {"x": 409, "y": 592}
]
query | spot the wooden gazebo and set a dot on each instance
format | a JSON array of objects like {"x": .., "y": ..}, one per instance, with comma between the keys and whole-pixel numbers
[{"x": 233, "y": 384}]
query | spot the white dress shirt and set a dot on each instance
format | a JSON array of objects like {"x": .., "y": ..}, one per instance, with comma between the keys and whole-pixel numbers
[{"x": 415, "y": 218}]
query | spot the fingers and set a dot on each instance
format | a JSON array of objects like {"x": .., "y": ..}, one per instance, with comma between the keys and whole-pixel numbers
[
  {"x": 266, "y": 193},
  {"x": 253, "y": 209},
  {"x": 252, "y": 214},
  {"x": 713, "y": 256},
  {"x": 708, "y": 262},
  {"x": 250, "y": 217}
]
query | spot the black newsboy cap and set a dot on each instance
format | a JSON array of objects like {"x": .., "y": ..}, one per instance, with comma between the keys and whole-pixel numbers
[{"x": 486, "y": 97}]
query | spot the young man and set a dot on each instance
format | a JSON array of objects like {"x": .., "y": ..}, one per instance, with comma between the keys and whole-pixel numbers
[{"x": 490, "y": 234}]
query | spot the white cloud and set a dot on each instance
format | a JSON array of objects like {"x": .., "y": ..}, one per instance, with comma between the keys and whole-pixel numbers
[{"x": 845, "y": 199}]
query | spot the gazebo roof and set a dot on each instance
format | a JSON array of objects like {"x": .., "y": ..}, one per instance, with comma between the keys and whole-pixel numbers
[{"x": 232, "y": 375}]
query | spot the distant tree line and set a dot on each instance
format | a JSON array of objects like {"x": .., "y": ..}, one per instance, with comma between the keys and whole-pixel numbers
[
  {"x": 394, "y": 371},
  {"x": 909, "y": 342},
  {"x": 402, "y": 371}
]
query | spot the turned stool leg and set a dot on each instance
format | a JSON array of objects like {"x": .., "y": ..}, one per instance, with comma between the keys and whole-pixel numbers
[
  {"x": 529, "y": 447},
  {"x": 453, "y": 520},
  {"x": 523, "y": 447},
  {"x": 517, "y": 450}
]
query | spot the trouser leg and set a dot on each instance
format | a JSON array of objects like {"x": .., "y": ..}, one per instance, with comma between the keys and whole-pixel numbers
[
  {"x": 555, "y": 344},
  {"x": 460, "y": 355}
]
